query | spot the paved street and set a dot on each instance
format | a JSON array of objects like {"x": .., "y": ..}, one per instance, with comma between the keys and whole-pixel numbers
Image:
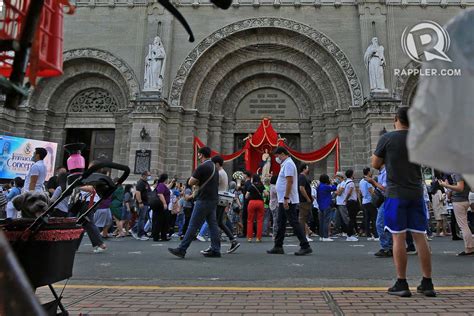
[{"x": 140, "y": 277}]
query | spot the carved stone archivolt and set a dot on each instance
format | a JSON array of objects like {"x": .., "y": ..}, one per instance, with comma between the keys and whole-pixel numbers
[
  {"x": 93, "y": 100},
  {"x": 407, "y": 82},
  {"x": 117, "y": 63},
  {"x": 337, "y": 55}
]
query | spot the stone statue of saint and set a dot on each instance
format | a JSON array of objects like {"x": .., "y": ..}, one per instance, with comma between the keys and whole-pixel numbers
[
  {"x": 267, "y": 163},
  {"x": 375, "y": 61},
  {"x": 155, "y": 66}
]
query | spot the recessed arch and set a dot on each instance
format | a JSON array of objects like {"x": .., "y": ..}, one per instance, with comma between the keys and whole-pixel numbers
[{"x": 190, "y": 74}]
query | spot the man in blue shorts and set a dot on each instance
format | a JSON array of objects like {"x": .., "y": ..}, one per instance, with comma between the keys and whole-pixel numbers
[{"x": 404, "y": 205}]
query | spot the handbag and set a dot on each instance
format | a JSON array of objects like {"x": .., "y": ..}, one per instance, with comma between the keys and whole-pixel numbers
[
  {"x": 378, "y": 198},
  {"x": 154, "y": 201},
  {"x": 196, "y": 191}
]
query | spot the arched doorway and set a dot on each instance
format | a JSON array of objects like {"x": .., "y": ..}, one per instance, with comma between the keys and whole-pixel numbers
[
  {"x": 300, "y": 64},
  {"x": 88, "y": 104}
]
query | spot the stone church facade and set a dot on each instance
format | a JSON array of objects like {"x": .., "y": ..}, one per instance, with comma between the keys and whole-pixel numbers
[{"x": 300, "y": 62}]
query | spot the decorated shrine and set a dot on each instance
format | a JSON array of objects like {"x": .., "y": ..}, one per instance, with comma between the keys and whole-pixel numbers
[{"x": 264, "y": 140}]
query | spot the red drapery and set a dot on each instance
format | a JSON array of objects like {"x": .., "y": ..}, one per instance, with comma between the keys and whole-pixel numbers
[{"x": 265, "y": 137}]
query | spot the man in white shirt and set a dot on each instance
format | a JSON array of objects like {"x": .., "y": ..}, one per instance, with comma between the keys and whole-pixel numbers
[
  {"x": 288, "y": 199},
  {"x": 352, "y": 204},
  {"x": 342, "y": 212},
  {"x": 36, "y": 176}
]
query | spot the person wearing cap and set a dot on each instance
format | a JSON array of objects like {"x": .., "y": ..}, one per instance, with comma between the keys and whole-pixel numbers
[
  {"x": 207, "y": 177},
  {"x": 36, "y": 176},
  {"x": 288, "y": 199}
]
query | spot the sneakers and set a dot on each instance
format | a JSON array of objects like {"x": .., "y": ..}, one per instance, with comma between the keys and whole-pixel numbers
[
  {"x": 208, "y": 250},
  {"x": 463, "y": 254},
  {"x": 177, "y": 252},
  {"x": 276, "y": 251},
  {"x": 426, "y": 288},
  {"x": 249, "y": 239},
  {"x": 370, "y": 238},
  {"x": 233, "y": 246},
  {"x": 143, "y": 238},
  {"x": 382, "y": 253},
  {"x": 134, "y": 234},
  {"x": 376, "y": 239},
  {"x": 99, "y": 249},
  {"x": 352, "y": 238},
  {"x": 303, "y": 252},
  {"x": 411, "y": 250},
  {"x": 400, "y": 288},
  {"x": 211, "y": 254},
  {"x": 309, "y": 239},
  {"x": 201, "y": 238},
  {"x": 327, "y": 239},
  {"x": 175, "y": 235}
]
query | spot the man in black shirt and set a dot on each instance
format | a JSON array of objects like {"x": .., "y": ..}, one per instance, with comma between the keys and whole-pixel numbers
[
  {"x": 141, "y": 196},
  {"x": 207, "y": 177},
  {"x": 405, "y": 208},
  {"x": 304, "y": 192}
]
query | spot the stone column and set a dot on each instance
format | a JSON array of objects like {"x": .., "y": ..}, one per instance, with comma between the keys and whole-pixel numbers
[{"x": 151, "y": 115}]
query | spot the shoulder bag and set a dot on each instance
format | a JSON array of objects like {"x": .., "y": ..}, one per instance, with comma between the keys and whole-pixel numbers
[{"x": 196, "y": 191}]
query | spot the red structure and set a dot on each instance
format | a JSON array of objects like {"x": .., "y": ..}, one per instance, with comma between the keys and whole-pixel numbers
[
  {"x": 265, "y": 137},
  {"x": 47, "y": 50}
]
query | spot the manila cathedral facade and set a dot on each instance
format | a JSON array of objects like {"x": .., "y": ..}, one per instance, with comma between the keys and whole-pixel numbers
[{"x": 136, "y": 91}]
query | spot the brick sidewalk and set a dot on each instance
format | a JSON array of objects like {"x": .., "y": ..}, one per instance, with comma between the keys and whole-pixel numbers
[{"x": 191, "y": 302}]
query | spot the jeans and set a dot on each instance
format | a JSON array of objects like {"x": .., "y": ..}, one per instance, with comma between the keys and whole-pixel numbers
[
  {"x": 204, "y": 229},
  {"x": 256, "y": 210},
  {"x": 385, "y": 236},
  {"x": 266, "y": 221},
  {"x": 220, "y": 215},
  {"x": 291, "y": 216},
  {"x": 324, "y": 221},
  {"x": 275, "y": 221},
  {"x": 140, "y": 225},
  {"x": 187, "y": 217},
  {"x": 180, "y": 223},
  {"x": 203, "y": 211}
]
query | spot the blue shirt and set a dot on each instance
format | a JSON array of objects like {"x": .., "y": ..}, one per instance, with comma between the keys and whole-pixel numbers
[
  {"x": 382, "y": 178},
  {"x": 324, "y": 195},
  {"x": 365, "y": 187}
]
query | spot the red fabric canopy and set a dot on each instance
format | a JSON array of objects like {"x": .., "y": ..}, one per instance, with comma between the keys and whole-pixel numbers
[{"x": 265, "y": 137}]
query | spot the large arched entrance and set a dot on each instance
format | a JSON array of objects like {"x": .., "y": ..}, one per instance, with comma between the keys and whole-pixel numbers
[
  {"x": 88, "y": 104},
  {"x": 300, "y": 70}
]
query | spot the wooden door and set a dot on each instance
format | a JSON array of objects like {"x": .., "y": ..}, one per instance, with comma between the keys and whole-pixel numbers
[{"x": 102, "y": 144}]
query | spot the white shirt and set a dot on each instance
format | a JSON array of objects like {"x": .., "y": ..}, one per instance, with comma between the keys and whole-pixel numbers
[
  {"x": 350, "y": 184},
  {"x": 340, "y": 199},
  {"x": 223, "y": 181},
  {"x": 314, "y": 194},
  {"x": 288, "y": 169},
  {"x": 37, "y": 169}
]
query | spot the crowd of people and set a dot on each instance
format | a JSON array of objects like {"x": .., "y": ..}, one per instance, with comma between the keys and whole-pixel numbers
[{"x": 395, "y": 208}]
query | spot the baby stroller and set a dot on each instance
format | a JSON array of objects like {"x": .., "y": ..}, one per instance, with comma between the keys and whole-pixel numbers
[{"x": 46, "y": 246}]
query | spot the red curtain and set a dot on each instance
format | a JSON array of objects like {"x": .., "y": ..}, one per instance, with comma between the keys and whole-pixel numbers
[
  {"x": 199, "y": 144},
  {"x": 265, "y": 137}
]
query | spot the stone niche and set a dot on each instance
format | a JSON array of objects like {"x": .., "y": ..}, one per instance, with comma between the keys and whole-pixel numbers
[{"x": 267, "y": 102}]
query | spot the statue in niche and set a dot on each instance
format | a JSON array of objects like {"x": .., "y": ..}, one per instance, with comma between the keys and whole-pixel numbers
[
  {"x": 155, "y": 66},
  {"x": 267, "y": 163},
  {"x": 375, "y": 62}
]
